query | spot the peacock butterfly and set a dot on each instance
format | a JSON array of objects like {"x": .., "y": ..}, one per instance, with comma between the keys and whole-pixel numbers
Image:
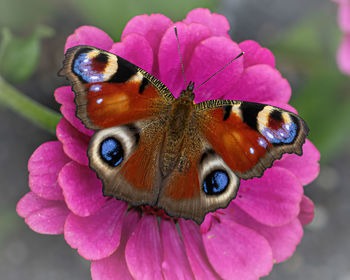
[{"x": 152, "y": 149}]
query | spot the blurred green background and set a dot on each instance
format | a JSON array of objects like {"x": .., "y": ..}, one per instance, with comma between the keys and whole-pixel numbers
[{"x": 304, "y": 38}]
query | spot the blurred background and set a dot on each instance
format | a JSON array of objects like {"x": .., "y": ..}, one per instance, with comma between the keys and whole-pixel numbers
[{"x": 303, "y": 35}]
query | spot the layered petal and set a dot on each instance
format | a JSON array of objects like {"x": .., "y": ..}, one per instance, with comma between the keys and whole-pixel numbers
[
  {"x": 144, "y": 250},
  {"x": 81, "y": 188},
  {"x": 65, "y": 96},
  {"x": 218, "y": 24},
  {"x": 255, "y": 54},
  {"x": 75, "y": 143},
  {"x": 43, "y": 166},
  {"x": 306, "y": 214},
  {"x": 175, "y": 264},
  {"x": 309, "y": 162},
  {"x": 207, "y": 58},
  {"x": 283, "y": 239},
  {"x": 237, "y": 252},
  {"x": 42, "y": 215},
  {"x": 89, "y": 35},
  {"x": 152, "y": 28},
  {"x": 261, "y": 83},
  {"x": 136, "y": 49},
  {"x": 169, "y": 59},
  {"x": 273, "y": 199},
  {"x": 115, "y": 267},
  {"x": 96, "y": 236},
  {"x": 195, "y": 251}
]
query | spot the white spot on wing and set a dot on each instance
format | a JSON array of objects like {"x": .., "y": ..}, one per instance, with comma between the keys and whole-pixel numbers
[
  {"x": 95, "y": 88},
  {"x": 136, "y": 78}
]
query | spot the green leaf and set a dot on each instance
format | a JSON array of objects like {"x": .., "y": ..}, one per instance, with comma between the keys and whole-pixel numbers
[
  {"x": 112, "y": 15},
  {"x": 19, "y": 56}
]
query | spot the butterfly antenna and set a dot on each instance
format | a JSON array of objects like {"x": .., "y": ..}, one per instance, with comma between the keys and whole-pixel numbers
[
  {"x": 238, "y": 56},
  {"x": 178, "y": 46}
]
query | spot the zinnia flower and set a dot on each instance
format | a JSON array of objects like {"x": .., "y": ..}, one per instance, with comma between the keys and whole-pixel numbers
[
  {"x": 343, "y": 55},
  {"x": 262, "y": 226}
]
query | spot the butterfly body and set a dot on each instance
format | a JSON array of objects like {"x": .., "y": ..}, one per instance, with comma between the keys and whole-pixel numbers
[
  {"x": 152, "y": 149},
  {"x": 179, "y": 126}
]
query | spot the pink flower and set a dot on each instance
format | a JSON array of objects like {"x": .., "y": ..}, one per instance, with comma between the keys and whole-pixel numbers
[
  {"x": 262, "y": 226},
  {"x": 343, "y": 55}
]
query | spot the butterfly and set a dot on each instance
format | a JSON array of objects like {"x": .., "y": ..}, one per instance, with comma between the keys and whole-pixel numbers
[{"x": 152, "y": 149}]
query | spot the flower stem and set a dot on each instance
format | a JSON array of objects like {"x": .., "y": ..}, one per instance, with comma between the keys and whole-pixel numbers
[{"x": 27, "y": 107}]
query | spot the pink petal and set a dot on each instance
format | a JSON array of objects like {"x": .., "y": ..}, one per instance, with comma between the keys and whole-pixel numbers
[
  {"x": 169, "y": 59},
  {"x": 206, "y": 60},
  {"x": 308, "y": 161},
  {"x": 98, "y": 235},
  {"x": 283, "y": 240},
  {"x": 260, "y": 83},
  {"x": 89, "y": 35},
  {"x": 43, "y": 166},
  {"x": 114, "y": 267},
  {"x": 75, "y": 143},
  {"x": 152, "y": 28},
  {"x": 218, "y": 24},
  {"x": 273, "y": 199},
  {"x": 136, "y": 49},
  {"x": 343, "y": 55},
  {"x": 41, "y": 215},
  {"x": 81, "y": 189},
  {"x": 195, "y": 251},
  {"x": 65, "y": 96},
  {"x": 175, "y": 263},
  {"x": 306, "y": 214},
  {"x": 237, "y": 252},
  {"x": 255, "y": 54},
  {"x": 144, "y": 250},
  {"x": 344, "y": 15},
  {"x": 205, "y": 226}
]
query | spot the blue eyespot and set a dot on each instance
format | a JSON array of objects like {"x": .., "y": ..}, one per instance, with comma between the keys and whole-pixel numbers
[
  {"x": 284, "y": 135},
  {"x": 83, "y": 66},
  {"x": 112, "y": 152},
  {"x": 216, "y": 182}
]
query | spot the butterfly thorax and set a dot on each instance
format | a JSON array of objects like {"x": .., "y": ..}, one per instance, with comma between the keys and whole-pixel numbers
[{"x": 178, "y": 122}]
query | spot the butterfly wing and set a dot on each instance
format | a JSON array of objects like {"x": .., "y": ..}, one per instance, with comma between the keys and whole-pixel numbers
[
  {"x": 250, "y": 136},
  {"x": 109, "y": 90},
  {"x": 230, "y": 140},
  {"x": 201, "y": 181},
  {"x": 128, "y": 107}
]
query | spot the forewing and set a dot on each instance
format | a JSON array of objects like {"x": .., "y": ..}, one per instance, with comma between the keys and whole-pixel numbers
[
  {"x": 250, "y": 136},
  {"x": 111, "y": 91}
]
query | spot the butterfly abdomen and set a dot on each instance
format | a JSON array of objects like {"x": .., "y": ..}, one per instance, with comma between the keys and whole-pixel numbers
[{"x": 177, "y": 124}]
